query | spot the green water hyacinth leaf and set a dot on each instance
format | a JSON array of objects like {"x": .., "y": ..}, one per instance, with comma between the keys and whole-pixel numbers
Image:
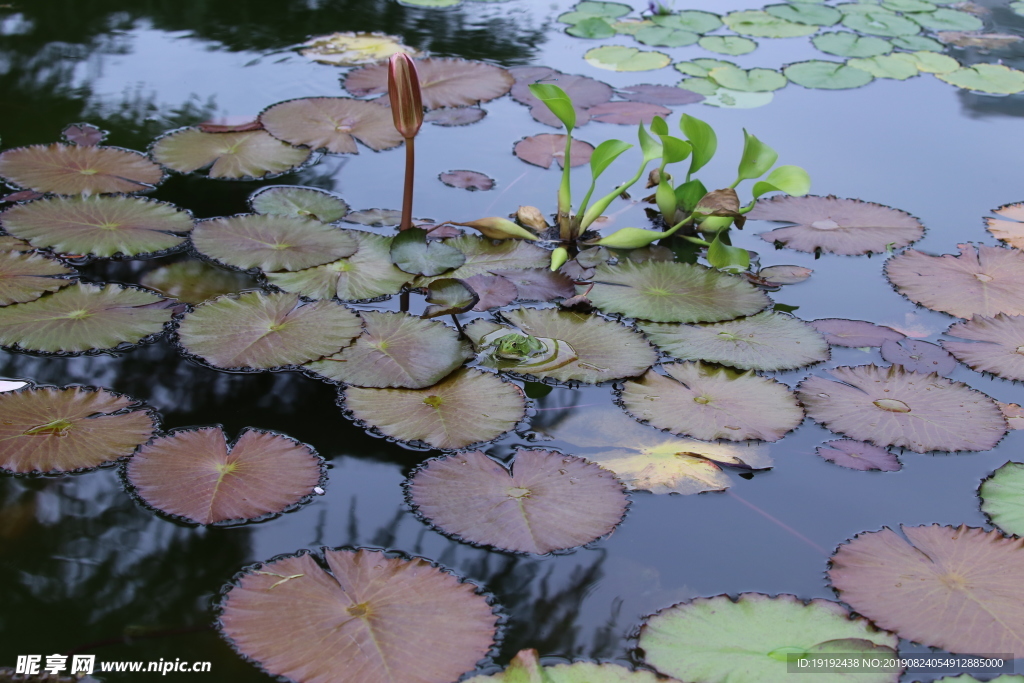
[
  {"x": 822, "y": 75},
  {"x": 673, "y": 292},
  {"x": 196, "y": 281},
  {"x": 990, "y": 78},
  {"x": 498, "y": 228},
  {"x": 547, "y": 502},
  {"x": 229, "y": 156},
  {"x": 957, "y": 589},
  {"x": 466, "y": 407},
  {"x": 50, "y": 430},
  {"x": 1002, "y": 498},
  {"x": 525, "y": 667},
  {"x": 621, "y": 58},
  {"x": 767, "y": 341},
  {"x": 197, "y": 476},
  {"x": 702, "y": 139},
  {"x": 881, "y": 22},
  {"x": 711, "y": 403},
  {"x": 894, "y": 407},
  {"x": 271, "y": 243},
  {"x": 557, "y": 101},
  {"x": 847, "y": 44},
  {"x": 663, "y": 36},
  {"x": 945, "y": 19},
  {"x": 84, "y": 318},
  {"x": 484, "y": 256},
  {"x": 102, "y": 226},
  {"x": 792, "y": 180},
  {"x": 631, "y": 238},
  {"x": 396, "y": 350},
  {"x": 757, "y": 158},
  {"x": 592, "y": 27},
  {"x": 411, "y": 252},
  {"x": 26, "y": 277},
  {"x": 805, "y": 13},
  {"x": 727, "y": 45},
  {"x": 899, "y": 67},
  {"x": 72, "y": 169},
  {"x": 993, "y": 344},
  {"x": 727, "y": 257},
  {"x": 747, "y": 80},
  {"x": 332, "y": 124},
  {"x": 755, "y": 638},
  {"x": 689, "y": 20},
  {"x": 763, "y": 25},
  {"x": 298, "y": 202},
  {"x": 371, "y": 617},
  {"x": 257, "y": 331}
]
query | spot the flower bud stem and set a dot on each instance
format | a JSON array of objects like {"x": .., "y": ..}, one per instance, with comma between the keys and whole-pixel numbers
[{"x": 410, "y": 165}]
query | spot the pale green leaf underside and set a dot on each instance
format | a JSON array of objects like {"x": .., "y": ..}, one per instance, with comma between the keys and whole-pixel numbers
[{"x": 1002, "y": 498}]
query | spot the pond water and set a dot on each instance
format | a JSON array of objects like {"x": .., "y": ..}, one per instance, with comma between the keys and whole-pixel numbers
[{"x": 86, "y": 569}]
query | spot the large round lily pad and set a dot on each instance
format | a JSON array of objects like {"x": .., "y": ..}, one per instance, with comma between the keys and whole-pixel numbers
[
  {"x": 957, "y": 589},
  {"x": 754, "y": 637},
  {"x": 99, "y": 226},
  {"x": 980, "y": 281},
  {"x": 272, "y": 243},
  {"x": 1002, "y": 498},
  {"x": 258, "y": 331},
  {"x": 547, "y": 502},
  {"x": 710, "y": 403},
  {"x": 664, "y": 291},
  {"x": 996, "y": 345},
  {"x": 766, "y": 341},
  {"x": 70, "y": 169},
  {"x": 85, "y": 317},
  {"x": 847, "y": 44},
  {"x": 525, "y": 666},
  {"x": 880, "y": 22},
  {"x": 836, "y": 226},
  {"x": 374, "y": 618},
  {"x": 55, "y": 429},
  {"x": 26, "y": 277},
  {"x": 231, "y": 156},
  {"x": 197, "y": 475},
  {"x": 825, "y": 75},
  {"x": 894, "y": 407},
  {"x": 299, "y": 202},
  {"x": 332, "y": 123},
  {"x": 196, "y": 281},
  {"x": 443, "y": 82},
  {"x": 396, "y": 350},
  {"x": 466, "y": 407}
]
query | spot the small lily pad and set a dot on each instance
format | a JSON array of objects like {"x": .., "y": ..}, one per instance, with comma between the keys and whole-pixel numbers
[
  {"x": 858, "y": 455},
  {"x": 918, "y": 43},
  {"x": 594, "y": 8},
  {"x": 727, "y": 45},
  {"x": 764, "y": 25},
  {"x": 332, "y": 124},
  {"x": 72, "y": 169},
  {"x": 995, "y": 344},
  {"x": 467, "y": 180},
  {"x": 918, "y": 356},
  {"x": 449, "y": 296},
  {"x": 665, "y": 95},
  {"x": 702, "y": 86},
  {"x": 805, "y": 13},
  {"x": 196, "y": 281},
  {"x": 663, "y": 36},
  {"x": 622, "y": 58},
  {"x": 298, "y": 202},
  {"x": 783, "y": 275},
  {"x": 1002, "y": 498},
  {"x": 877, "y": 21},
  {"x": 591, "y": 27},
  {"x": 818, "y": 74},
  {"x": 541, "y": 150},
  {"x": 454, "y": 116},
  {"x": 847, "y": 44},
  {"x": 69, "y": 429},
  {"x": 26, "y": 277},
  {"x": 582, "y": 90},
  {"x": 700, "y": 67},
  {"x": 990, "y": 78},
  {"x": 538, "y": 284},
  {"x": 84, "y": 134},
  {"x": 444, "y": 82},
  {"x": 689, "y": 20},
  {"x": 354, "y": 49},
  {"x": 747, "y": 80},
  {"x": 229, "y": 156},
  {"x": 855, "y": 333},
  {"x": 547, "y": 502}
]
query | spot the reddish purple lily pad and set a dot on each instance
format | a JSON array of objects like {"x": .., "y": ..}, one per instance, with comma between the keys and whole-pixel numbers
[
  {"x": 858, "y": 455},
  {"x": 539, "y": 284},
  {"x": 71, "y": 169},
  {"x": 547, "y": 502},
  {"x": 995, "y": 345},
  {"x": 666, "y": 95},
  {"x": 627, "y": 113},
  {"x": 443, "y": 82},
  {"x": 541, "y": 150},
  {"x": 918, "y": 356},
  {"x": 467, "y": 180},
  {"x": 230, "y": 156},
  {"x": 196, "y": 475},
  {"x": 84, "y": 134},
  {"x": 332, "y": 123},
  {"x": 494, "y": 291},
  {"x": 855, "y": 333},
  {"x": 454, "y": 116}
]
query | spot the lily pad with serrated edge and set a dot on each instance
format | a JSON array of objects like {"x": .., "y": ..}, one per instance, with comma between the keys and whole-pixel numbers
[
  {"x": 298, "y": 202},
  {"x": 855, "y": 333},
  {"x": 13, "y": 244},
  {"x": 899, "y": 66},
  {"x": 622, "y": 58},
  {"x": 1002, "y": 498},
  {"x": 881, "y": 22},
  {"x": 258, "y": 331},
  {"x": 774, "y": 276},
  {"x": 909, "y": 5},
  {"x": 766, "y": 341},
  {"x": 196, "y": 475},
  {"x": 271, "y": 243},
  {"x": 467, "y": 180},
  {"x": 101, "y": 226},
  {"x": 547, "y": 502},
  {"x": 836, "y": 226},
  {"x": 375, "y": 218},
  {"x": 538, "y": 284},
  {"x": 448, "y": 296},
  {"x": 763, "y": 25},
  {"x": 918, "y": 43},
  {"x": 858, "y": 455},
  {"x": 541, "y": 150},
  {"x": 484, "y": 256},
  {"x": 894, "y": 407},
  {"x": 754, "y": 638},
  {"x": 85, "y": 318},
  {"x": 466, "y": 407},
  {"x": 525, "y": 666},
  {"x": 196, "y": 281},
  {"x": 700, "y": 67},
  {"x": 954, "y": 588},
  {"x": 805, "y": 13},
  {"x": 689, "y": 20},
  {"x": 367, "y": 274},
  {"x": 918, "y": 356},
  {"x": 702, "y": 86},
  {"x": 628, "y": 113},
  {"x": 354, "y": 49},
  {"x": 413, "y": 253},
  {"x": 995, "y": 344},
  {"x": 990, "y": 78},
  {"x": 946, "y": 19},
  {"x": 444, "y": 82},
  {"x": 822, "y": 75},
  {"x": 934, "y": 63},
  {"x": 592, "y": 8},
  {"x": 71, "y": 169},
  {"x": 396, "y": 350},
  {"x": 674, "y": 292},
  {"x": 847, "y": 44},
  {"x": 26, "y": 277},
  {"x": 229, "y": 156},
  {"x": 84, "y": 134},
  {"x": 591, "y": 27},
  {"x": 727, "y": 45},
  {"x": 663, "y": 36},
  {"x": 747, "y": 80},
  {"x": 371, "y": 617},
  {"x": 69, "y": 429},
  {"x": 332, "y": 124},
  {"x": 493, "y": 291},
  {"x": 709, "y": 403},
  {"x": 454, "y": 116},
  {"x": 980, "y": 281}
]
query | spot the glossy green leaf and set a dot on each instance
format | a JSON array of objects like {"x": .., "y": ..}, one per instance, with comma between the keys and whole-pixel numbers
[
  {"x": 727, "y": 257},
  {"x": 847, "y": 44},
  {"x": 1002, "y": 498},
  {"x": 621, "y": 58},
  {"x": 792, "y": 180},
  {"x": 557, "y": 101},
  {"x": 413, "y": 253},
  {"x": 826, "y": 75},
  {"x": 763, "y": 25},
  {"x": 604, "y": 154},
  {"x": 299, "y": 202},
  {"x": 702, "y": 139},
  {"x": 690, "y": 193},
  {"x": 747, "y": 80},
  {"x": 727, "y": 45},
  {"x": 757, "y": 158}
]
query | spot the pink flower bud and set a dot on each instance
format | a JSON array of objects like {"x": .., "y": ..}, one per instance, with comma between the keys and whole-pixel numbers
[{"x": 404, "y": 92}]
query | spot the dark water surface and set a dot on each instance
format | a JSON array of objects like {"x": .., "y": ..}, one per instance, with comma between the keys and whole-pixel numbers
[{"x": 83, "y": 568}]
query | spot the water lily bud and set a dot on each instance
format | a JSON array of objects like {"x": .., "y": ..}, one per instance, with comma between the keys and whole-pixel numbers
[
  {"x": 531, "y": 217},
  {"x": 558, "y": 258},
  {"x": 498, "y": 228},
  {"x": 404, "y": 92}
]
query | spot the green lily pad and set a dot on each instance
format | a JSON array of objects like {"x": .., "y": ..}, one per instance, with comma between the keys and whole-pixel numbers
[
  {"x": 991, "y": 78},
  {"x": 26, "y": 277},
  {"x": 918, "y": 43},
  {"x": 593, "y": 8},
  {"x": 448, "y": 296},
  {"x": 957, "y": 589},
  {"x": 755, "y": 637},
  {"x": 847, "y": 44},
  {"x": 367, "y": 274},
  {"x": 271, "y": 243},
  {"x": 763, "y": 25},
  {"x": 824, "y": 75},
  {"x": 257, "y": 331},
  {"x": 945, "y": 19},
  {"x": 804, "y": 13},
  {"x": 84, "y": 318},
  {"x": 443, "y": 82},
  {"x": 710, "y": 403},
  {"x": 298, "y": 202},
  {"x": 766, "y": 341},
  {"x": 485, "y": 256},
  {"x": 700, "y": 67},
  {"x": 1002, "y": 498},
  {"x": 663, "y": 36},
  {"x": 629, "y": 27},
  {"x": 996, "y": 344},
  {"x": 196, "y": 281},
  {"x": 230, "y": 156},
  {"x": 446, "y": 415},
  {"x": 909, "y": 5},
  {"x": 738, "y": 99},
  {"x": 375, "y": 218},
  {"x": 689, "y": 20},
  {"x": 72, "y": 169},
  {"x": 99, "y": 226},
  {"x": 894, "y": 407},
  {"x": 525, "y": 666},
  {"x": 69, "y": 429},
  {"x": 727, "y": 45},
  {"x": 674, "y": 292},
  {"x": 396, "y": 350},
  {"x": 747, "y": 80},
  {"x": 621, "y": 58},
  {"x": 702, "y": 86},
  {"x": 876, "y": 21},
  {"x": 592, "y": 27},
  {"x": 332, "y": 123},
  {"x": 371, "y": 617},
  {"x": 411, "y": 252},
  {"x": 934, "y": 63},
  {"x": 899, "y": 66},
  {"x": 8, "y": 243},
  {"x": 547, "y": 502}
]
